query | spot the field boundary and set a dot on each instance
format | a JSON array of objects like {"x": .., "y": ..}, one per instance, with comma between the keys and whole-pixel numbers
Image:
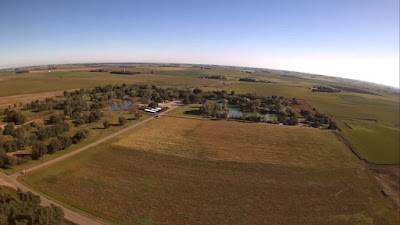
[{"x": 347, "y": 143}]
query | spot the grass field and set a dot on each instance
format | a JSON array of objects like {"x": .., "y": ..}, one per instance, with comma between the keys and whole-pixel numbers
[
  {"x": 380, "y": 107},
  {"x": 38, "y": 82},
  {"x": 192, "y": 171},
  {"x": 186, "y": 110},
  {"x": 373, "y": 142}
]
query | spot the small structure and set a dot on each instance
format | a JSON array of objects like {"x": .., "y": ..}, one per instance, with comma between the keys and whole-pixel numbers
[
  {"x": 150, "y": 110},
  {"x": 385, "y": 193}
]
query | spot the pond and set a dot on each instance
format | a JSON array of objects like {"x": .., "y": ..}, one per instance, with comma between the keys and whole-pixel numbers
[
  {"x": 117, "y": 105},
  {"x": 235, "y": 112}
]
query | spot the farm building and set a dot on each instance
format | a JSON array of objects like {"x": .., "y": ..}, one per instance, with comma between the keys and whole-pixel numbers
[{"x": 152, "y": 110}]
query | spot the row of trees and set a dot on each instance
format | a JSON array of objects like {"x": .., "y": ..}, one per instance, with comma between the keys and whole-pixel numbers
[
  {"x": 320, "y": 88},
  {"x": 18, "y": 207},
  {"x": 12, "y": 116},
  {"x": 39, "y": 149},
  {"x": 219, "y": 109},
  {"x": 19, "y": 138},
  {"x": 52, "y": 131},
  {"x": 318, "y": 119}
]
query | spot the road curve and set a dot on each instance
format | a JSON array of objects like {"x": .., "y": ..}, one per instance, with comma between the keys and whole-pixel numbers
[{"x": 68, "y": 214}]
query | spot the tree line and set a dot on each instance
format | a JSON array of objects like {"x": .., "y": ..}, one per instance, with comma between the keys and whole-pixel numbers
[
  {"x": 321, "y": 88},
  {"x": 34, "y": 136},
  {"x": 18, "y": 208},
  {"x": 318, "y": 119}
]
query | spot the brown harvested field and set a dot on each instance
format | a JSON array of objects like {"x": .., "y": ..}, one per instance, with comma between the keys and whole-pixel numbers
[
  {"x": 27, "y": 98},
  {"x": 239, "y": 142},
  {"x": 189, "y": 171}
]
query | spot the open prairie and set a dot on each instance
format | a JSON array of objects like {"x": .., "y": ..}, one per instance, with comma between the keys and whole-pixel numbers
[{"x": 195, "y": 171}]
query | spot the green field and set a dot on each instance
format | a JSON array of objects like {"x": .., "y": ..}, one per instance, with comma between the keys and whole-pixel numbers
[
  {"x": 186, "y": 110},
  {"x": 37, "y": 82},
  {"x": 194, "y": 171},
  {"x": 373, "y": 142}
]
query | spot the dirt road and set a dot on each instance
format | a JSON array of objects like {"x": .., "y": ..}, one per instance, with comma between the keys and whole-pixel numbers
[{"x": 68, "y": 214}]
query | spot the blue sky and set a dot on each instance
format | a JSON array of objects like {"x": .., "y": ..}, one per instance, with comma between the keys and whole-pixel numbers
[{"x": 349, "y": 38}]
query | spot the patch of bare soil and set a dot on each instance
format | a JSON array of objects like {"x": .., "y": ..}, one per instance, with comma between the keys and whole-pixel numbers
[
  {"x": 4, "y": 183},
  {"x": 389, "y": 177}
]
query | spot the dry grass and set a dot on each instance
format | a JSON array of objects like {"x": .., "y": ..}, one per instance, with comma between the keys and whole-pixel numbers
[
  {"x": 239, "y": 142},
  {"x": 27, "y": 98},
  {"x": 187, "y": 171}
]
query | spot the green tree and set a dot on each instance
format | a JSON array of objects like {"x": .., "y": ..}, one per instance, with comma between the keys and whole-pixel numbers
[
  {"x": 137, "y": 115},
  {"x": 54, "y": 146},
  {"x": 94, "y": 116},
  {"x": 224, "y": 104},
  {"x": 332, "y": 125},
  {"x": 197, "y": 91},
  {"x": 42, "y": 133},
  {"x": 106, "y": 124},
  {"x": 209, "y": 107},
  {"x": 14, "y": 116},
  {"x": 153, "y": 105},
  {"x": 80, "y": 135},
  {"x": 39, "y": 149},
  {"x": 65, "y": 141},
  {"x": 122, "y": 120},
  {"x": 8, "y": 129},
  {"x": 6, "y": 161},
  {"x": 315, "y": 124},
  {"x": 23, "y": 208},
  {"x": 56, "y": 118},
  {"x": 186, "y": 100}
]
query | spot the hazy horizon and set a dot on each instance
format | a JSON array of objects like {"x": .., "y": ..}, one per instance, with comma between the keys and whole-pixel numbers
[{"x": 350, "y": 39}]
